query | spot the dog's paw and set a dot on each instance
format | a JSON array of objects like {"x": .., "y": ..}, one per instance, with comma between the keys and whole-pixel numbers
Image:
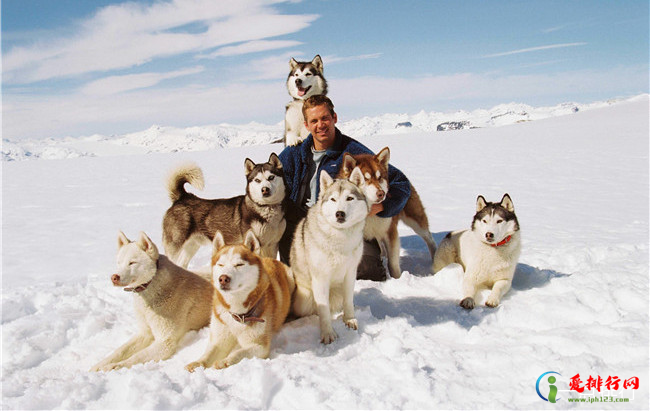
[
  {"x": 220, "y": 365},
  {"x": 193, "y": 366},
  {"x": 328, "y": 336},
  {"x": 492, "y": 302},
  {"x": 468, "y": 303},
  {"x": 351, "y": 323}
]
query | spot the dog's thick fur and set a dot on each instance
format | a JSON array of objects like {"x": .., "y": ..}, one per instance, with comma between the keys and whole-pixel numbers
[
  {"x": 191, "y": 221},
  {"x": 169, "y": 302},
  {"x": 305, "y": 80},
  {"x": 488, "y": 252},
  {"x": 375, "y": 172},
  {"x": 326, "y": 251},
  {"x": 252, "y": 297}
]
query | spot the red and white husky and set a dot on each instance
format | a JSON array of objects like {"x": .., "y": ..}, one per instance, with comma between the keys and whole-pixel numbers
[{"x": 375, "y": 172}]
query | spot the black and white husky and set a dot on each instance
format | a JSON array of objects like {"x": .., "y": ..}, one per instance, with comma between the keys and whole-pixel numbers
[
  {"x": 192, "y": 222},
  {"x": 305, "y": 80},
  {"x": 488, "y": 252}
]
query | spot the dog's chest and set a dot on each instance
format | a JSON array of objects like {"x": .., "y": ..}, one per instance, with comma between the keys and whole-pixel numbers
[{"x": 376, "y": 227}]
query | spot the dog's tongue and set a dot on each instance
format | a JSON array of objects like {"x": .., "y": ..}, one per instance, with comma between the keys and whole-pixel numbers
[{"x": 301, "y": 92}]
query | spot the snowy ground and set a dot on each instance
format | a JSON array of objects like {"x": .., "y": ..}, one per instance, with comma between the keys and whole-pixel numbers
[{"x": 579, "y": 302}]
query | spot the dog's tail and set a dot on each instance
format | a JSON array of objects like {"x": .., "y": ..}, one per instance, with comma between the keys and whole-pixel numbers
[{"x": 184, "y": 173}]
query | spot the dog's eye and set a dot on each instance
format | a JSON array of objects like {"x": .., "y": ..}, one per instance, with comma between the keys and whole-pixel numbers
[
  {"x": 499, "y": 221},
  {"x": 484, "y": 221},
  {"x": 350, "y": 198},
  {"x": 271, "y": 178},
  {"x": 220, "y": 265},
  {"x": 132, "y": 262},
  {"x": 308, "y": 74},
  {"x": 239, "y": 265},
  {"x": 257, "y": 180},
  {"x": 332, "y": 199}
]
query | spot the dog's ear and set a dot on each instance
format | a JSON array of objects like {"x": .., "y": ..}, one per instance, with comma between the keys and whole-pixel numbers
[
  {"x": 275, "y": 160},
  {"x": 251, "y": 242},
  {"x": 506, "y": 202},
  {"x": 293, "y": 63},
  {"x": 145, "y": 243},
  {"x": 383, "y": 157},
  {"x": 356, "y": 177},
  {"x": 348, "y": 163},
  {"x": 325, "y": 181},
  {"x": 122, "y": 240},
  {"x": 480, "y": 203},
  {"x": 249, "y": 165},
  {"x": 318, "y": 63},
  {"x": 218, "y": 243}
]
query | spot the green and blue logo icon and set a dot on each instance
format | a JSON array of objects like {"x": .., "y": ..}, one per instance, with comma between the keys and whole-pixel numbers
[{"x": 552, "y": 388}]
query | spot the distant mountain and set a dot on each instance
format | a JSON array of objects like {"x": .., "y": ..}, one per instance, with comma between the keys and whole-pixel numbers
[{"x": 158, "y": 139}]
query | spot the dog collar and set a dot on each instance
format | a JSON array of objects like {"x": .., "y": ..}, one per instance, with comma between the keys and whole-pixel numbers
[
  {"x": 502, "y": 242},
  {"x": 253, "y": 315},
  {"x": 138, "y": 289}
]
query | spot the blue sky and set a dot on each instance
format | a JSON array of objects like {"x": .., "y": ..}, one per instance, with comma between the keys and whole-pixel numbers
[{"x": 77, "y": 67}]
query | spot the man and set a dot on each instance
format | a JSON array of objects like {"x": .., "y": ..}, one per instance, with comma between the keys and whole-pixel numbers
[{"x": 323, "y": 150}]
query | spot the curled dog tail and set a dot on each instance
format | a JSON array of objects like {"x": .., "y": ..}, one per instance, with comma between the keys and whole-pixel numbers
[{"x": 184, "y": 173}]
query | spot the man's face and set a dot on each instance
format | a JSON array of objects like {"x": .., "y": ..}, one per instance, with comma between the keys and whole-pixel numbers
[{"x": 320, "y": 122}]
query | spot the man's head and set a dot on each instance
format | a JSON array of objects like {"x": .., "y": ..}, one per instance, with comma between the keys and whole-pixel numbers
[{"x": 320, "y": 120}]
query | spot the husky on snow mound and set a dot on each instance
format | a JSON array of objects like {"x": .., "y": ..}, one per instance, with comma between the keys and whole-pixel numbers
[
  {"x": 191, "y": 222},
  {"x": 305, "y": 80},
  {"x": 488, "y": 252},
  {"x": 326, "y": 251}
]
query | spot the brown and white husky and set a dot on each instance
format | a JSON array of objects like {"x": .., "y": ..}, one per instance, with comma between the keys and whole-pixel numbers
[
  {"x": 375, "y": 172},
  {"x": 252, "y": 297}
]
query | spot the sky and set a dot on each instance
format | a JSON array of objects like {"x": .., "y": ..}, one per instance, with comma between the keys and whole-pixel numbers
[{"x": 78, "y": 68}]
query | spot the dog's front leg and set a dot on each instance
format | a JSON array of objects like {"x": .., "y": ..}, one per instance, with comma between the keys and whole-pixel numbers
[
  {"x": 499, "y": 289},
  {"x": 469, "y": 291},
  {"x": 321, "y": 290},
  {"x": 158, "y": 351},
  {"x": 220, "y": 344},
  {"x": 258, "y": 348},
  {"x": 348, "y": 299},
  {"x": 134, "y": 345}
]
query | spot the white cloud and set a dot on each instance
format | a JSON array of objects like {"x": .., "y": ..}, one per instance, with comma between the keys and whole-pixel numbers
[
  {"x": 82, "y": 114},
  {"x": 528, "y": 50},
  {"x": 119, "y": 84},
  {"x": 130, "y": 34},
  {"x": 251, "y": 47}
]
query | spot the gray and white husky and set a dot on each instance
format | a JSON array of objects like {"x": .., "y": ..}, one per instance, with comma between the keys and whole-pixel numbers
[
  {"x": 326, "y": 251},
  {"x": 305, "y": 80},
  {"x": 191, "y": 222},
  {"x": 488, "y": 252}
]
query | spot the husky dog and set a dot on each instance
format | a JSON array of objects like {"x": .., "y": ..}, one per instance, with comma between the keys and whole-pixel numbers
[
  {"x": 191, "y": 221},
  {"x": 252, "y": 297},
  {"x": 375, "y": 172},
  {"x": 488, "y": 252},
  {"x": 305, "y": 80},
  {"x": 169, "y": 302},
  {"x": 326, "y": 251}
]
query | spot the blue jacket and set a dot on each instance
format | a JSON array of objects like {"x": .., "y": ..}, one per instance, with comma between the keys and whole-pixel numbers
[{"x": 297, "y": 160}]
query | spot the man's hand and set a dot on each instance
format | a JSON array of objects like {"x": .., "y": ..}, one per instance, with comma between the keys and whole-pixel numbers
[{"x": 376, "y": 208}]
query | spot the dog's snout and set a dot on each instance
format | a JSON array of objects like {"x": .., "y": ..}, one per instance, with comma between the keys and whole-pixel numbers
[
  {"x": 489, "y": 236},
  {"x": 266, "y": 191},
  {"x": 298, "y": 82},
  {"x": 224, "y": 280},
  {"x": 340, "y": 215},
  {"x": 380, "y": 194},
  {"x": 115, "y": 279}
]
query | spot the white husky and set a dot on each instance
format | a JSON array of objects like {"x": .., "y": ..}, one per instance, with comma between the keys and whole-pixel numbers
[
  {"x": 326, "y": 251},
  {"x": 305, "y": 79},
  {"x": 169, "y": 302},
  {"x": 488, "y": 252}
]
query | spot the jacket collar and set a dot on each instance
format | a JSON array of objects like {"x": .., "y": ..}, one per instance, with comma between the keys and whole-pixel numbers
[{"x": 332, "y": 152}]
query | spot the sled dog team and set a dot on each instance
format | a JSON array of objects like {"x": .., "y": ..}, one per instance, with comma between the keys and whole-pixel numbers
[{"x": 247, "y": 294}]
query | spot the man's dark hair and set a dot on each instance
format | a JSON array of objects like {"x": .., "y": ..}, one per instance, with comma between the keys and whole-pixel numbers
[{"x": 317, "y": 100}]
